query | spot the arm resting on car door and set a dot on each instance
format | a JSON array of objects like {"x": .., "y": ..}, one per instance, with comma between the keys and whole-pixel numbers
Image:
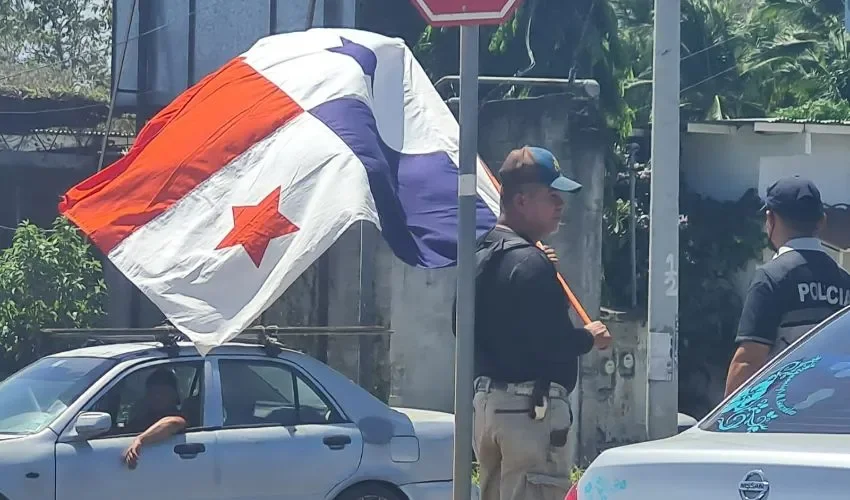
[{"x": 161, "y": 430}]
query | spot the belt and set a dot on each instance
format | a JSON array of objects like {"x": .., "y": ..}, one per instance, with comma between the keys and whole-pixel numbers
[{"x": 486, "y": 384}]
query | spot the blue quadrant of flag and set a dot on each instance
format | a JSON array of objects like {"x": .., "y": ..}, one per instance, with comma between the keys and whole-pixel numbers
[{"x": 416, "y": 195}]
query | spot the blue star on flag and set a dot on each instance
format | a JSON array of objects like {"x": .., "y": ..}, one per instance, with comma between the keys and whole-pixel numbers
[{"x": 367, "y": 59}]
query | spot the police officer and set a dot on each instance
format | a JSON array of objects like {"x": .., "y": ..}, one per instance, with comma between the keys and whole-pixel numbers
[
  {"x": 800, "y": 287},
  {"x": 526, "y": 347}
]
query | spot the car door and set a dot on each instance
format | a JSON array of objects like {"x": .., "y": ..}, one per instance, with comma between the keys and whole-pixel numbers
[
  {"x": 281, "y": 437},
  {"x": 181, "y": 466}
]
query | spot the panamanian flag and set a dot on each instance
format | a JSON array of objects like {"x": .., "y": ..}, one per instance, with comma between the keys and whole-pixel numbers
[{"x": 236, "y": 187}]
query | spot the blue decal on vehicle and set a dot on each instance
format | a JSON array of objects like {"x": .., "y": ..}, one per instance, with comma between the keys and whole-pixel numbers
[
  {"x": 600, "y": 488},
  {"x": 752, "y": 408}
]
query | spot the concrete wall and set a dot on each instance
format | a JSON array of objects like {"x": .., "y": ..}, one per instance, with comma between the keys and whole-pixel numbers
[{"x": 614, "y": 387}]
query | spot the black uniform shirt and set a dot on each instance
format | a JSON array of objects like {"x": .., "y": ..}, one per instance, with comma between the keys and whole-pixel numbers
[
  {"x": 523, "y": 328},
  {"x": 800, "y": 287}
]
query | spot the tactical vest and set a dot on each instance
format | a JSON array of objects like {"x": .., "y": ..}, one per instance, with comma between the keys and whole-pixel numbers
[{"x": 487, "y": 254}]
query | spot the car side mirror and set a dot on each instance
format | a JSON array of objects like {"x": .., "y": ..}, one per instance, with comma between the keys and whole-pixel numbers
[{"x": 92, "y": 423}]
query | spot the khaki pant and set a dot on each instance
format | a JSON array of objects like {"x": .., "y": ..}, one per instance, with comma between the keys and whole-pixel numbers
[{"x": 520, "y": 458}]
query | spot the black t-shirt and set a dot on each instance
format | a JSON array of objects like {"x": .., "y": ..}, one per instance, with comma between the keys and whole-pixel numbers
[
  {"x": 523, "y": 329},
  {"x": 790, "y": 294}
]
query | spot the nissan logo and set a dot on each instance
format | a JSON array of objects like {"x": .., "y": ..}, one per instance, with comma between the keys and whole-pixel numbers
[{"x": 754, "y": 486}]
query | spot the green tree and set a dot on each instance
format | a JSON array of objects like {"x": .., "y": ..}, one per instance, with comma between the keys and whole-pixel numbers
[
  {"x": 565, "y": 38},
  {"x": 72, "y": 37},
  {"x": 802, "y": 52},
  {"x": 48, "y": 279},
  {"x": 818, "y": 109},
  {"x": 716, "y": 37}
]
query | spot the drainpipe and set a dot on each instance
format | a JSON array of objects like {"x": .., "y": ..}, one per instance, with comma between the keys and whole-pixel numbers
[{"x": 632, "y": 149}]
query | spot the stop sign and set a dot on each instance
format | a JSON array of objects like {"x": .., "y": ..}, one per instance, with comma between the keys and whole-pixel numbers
[{"x": 466, "y": 12}]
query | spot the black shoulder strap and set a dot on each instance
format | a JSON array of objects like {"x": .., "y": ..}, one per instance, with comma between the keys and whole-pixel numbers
[{"x": 489, "y": 251}]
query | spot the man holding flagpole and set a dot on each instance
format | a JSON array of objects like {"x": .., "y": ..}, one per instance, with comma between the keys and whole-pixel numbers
[{"x": 526, "y": 346}]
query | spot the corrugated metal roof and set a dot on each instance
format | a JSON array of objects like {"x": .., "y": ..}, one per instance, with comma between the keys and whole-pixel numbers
[
  {"x": 732, "y": 121},
  {"x": 87, "y": 133}
]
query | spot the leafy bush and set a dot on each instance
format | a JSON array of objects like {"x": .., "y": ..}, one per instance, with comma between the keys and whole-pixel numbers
[
  {"x": 818, "y": 109},
  {"x": 48, "y": 279},
  {"x": 575, "y": 474}
]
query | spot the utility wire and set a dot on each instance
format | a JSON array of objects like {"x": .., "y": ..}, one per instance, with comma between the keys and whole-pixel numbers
[
  {"x": 588, "y": 17},
  {"x": 114, "y": 95}
]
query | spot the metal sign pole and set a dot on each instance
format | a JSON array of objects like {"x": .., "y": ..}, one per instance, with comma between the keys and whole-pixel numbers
[{"x": 465, "y": 327}]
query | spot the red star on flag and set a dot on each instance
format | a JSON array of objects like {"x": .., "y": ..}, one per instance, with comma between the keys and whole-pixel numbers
[{"x": 255, "y": 226}]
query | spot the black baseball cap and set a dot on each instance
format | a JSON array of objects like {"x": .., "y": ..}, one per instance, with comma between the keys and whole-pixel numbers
[
  {"x": 533, "y": 165},
  {"x": 794, "y": 198}
]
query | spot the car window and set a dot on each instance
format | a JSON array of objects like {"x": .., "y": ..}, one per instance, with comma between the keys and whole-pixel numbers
[
  {"x": 258, "y": 392},
  {"x": 33, "y": 397},
  {"x": 135, "y": 406},
  {"x": 806, "y": 391}
]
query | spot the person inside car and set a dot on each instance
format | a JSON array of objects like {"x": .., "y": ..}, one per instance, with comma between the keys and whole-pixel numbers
[{"x": 159, "y": 417}]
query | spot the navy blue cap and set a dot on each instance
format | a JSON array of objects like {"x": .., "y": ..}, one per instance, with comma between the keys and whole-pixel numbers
[
  {"x": 794, "y": 198},
  {"x": 536, "y": 165}
]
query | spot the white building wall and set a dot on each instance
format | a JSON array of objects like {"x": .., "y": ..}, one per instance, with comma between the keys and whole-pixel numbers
[{"x": 724, "y": 166}]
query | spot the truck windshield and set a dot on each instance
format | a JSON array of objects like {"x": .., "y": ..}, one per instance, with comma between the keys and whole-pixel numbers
[{"x": 33, "y": 397}]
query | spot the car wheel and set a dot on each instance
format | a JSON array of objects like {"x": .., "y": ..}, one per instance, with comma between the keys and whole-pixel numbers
[{"x": 370, "y": 491}]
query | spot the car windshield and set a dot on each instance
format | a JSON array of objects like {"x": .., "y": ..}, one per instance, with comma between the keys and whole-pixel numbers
[
  {"x": 806, "y": 390},
  {"x": 31, "y": 398}
]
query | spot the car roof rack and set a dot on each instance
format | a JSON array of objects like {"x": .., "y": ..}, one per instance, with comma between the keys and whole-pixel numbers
[{"x": 167, "y": 335}]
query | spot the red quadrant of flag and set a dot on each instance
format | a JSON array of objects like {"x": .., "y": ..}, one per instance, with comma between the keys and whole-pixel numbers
[
  {"x": 254, "y": 227},
  {"x": 191, "y": 139}
]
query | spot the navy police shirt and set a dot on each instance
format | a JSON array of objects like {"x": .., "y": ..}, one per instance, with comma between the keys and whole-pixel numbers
[{"x": 800, "y": 287}]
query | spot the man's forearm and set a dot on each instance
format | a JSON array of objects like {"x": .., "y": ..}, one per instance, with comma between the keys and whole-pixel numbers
[
  {"x": 163, "y": 429},
  {"x": 739, "y": 372}
]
